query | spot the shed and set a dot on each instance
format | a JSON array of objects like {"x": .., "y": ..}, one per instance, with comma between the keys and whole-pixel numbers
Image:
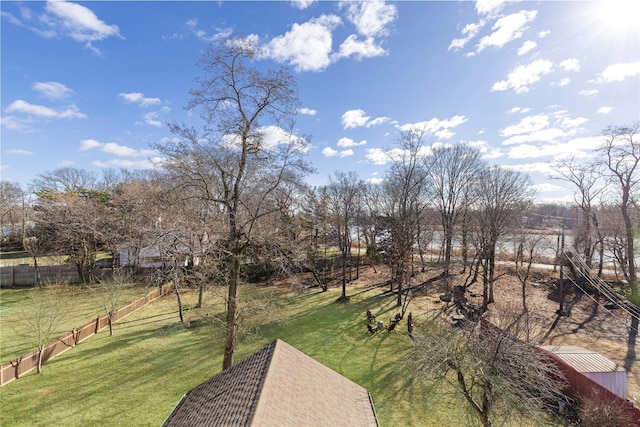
[
  {"x": 276, "y": 386},
  {"x": 594, "y": 366}
]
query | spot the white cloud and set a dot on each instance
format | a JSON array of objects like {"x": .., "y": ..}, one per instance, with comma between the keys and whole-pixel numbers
[
  {"x": 522, "y": 76},
  {"x": 354, "y": 119},
  {"x": 375, "y": 180},
  {"x": 563, "y": 82},
  {"x": 519, "y": 110},
  {"x": 306, "y": 46},
  {"x": 307, "y": 111},
  {"x": 19, "y": 152},
  {"x": 346, "y": 153},
  {"x": 570, "y": 64},
  {"x": 129, "y": 164},
  {"x": 544, "y": 33},
  {"x": 329, "y": 152},
  {"x": 566, "y": 122},
  {"x": 378, "y": 156},
  {"x": 115, "y": 149},
  {"x": 151, "y": 119},
  {"x": 348, "y": 142},
  {"x": 550, "y": 134},
  {"x": 359, "y": 48},
  {"x": 526, "y": 47},
  {"x": 371, "y": 18},
  {"x": 527, "y": 125},
  {"x": 20, "y": 106},
  {"x": 546, "y": 187},
  {"x": 139, "y": 98},
  {"x": 66, "y": 19},
  {"x": 18, "y": 124},
  {"x": 435, "y": 126},
  {"x": 302, "y": 4},
  {"x": 487, "y": 7},
  {"x": 469, "y": 32},
  {"x": 88, "y": 144},
  {"x": 619, "y": 72},
  {"x": 273, "y": 136},
  {"x": 581, "y": 147},
  {"x": 588, "y": 92},
  {"x": 604, "y": 110},
  {"x": 52, "y": 90},
  {"x": 506, "y": 29}
]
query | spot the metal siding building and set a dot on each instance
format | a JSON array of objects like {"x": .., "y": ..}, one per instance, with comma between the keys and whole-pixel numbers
[{"x": 594, "y": 366}]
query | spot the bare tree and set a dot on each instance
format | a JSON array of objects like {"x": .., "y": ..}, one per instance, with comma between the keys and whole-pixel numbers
[
  {"x": 77, "y": 225},
  {"x": 452, "y": 170},
  {"x": 587, "y": 181},
  {"x": 64, "y": 180},
  {"x": 14, "y": 214},
  {"x": 111, "y": 294},
  {"x": 343, "y": 194},
  {"x": 495, "y": 373},
  {"x": 502, "y": 198},
  {"x": 41, "y": 316},
  {"x": 620, "y": 154},
  {"x": 230, "y": 163},
  {"x": 405, "y": 198}
]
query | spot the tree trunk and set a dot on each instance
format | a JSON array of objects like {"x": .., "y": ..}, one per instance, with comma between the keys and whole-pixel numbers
[
  {"x": 39, "y": 365},
  {"x": 175, "y": 287},
  {"x": 232, "y": 315}
]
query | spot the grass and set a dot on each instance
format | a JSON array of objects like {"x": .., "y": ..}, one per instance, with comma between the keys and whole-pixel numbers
[
  {"x": 81, "y": 304},
  {"x": 138, "y": 375},
  {"x": 12, "y": 259}
]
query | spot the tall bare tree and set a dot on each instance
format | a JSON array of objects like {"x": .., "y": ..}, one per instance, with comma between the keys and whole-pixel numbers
[
  {"x": 586, "y": 179},
  {"x": 343, "y": 194},
  {"x": 620, "y": 154},
  {"x": 229, "y": 162},
  {"x": 452, "y": 169},
  {"x": 502, "y": 199},
  {"x": 406, "y": 192}
]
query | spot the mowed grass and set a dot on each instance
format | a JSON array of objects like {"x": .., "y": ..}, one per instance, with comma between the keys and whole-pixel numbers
[
  {"x": 136, "y": 377},
  {"x": 78, "y": 305}
]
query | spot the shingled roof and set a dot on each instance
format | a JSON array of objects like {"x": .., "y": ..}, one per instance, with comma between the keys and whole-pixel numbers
[{"x": 276, "y": 386}]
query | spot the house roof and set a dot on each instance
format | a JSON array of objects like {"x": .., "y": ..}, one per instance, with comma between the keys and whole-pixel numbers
[
  {"x": 583, "y": 360},
  {"x": 276, "y": 386}
]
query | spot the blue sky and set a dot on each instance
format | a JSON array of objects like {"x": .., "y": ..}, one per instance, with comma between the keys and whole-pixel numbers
[{"x": 92, "y": 84}]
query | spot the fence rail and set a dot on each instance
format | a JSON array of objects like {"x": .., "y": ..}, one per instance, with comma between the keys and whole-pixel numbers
[{"x": 26, "y": 363}]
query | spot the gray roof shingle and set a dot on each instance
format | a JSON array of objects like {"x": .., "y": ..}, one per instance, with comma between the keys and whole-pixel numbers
[{"x": 276, "y": 386}]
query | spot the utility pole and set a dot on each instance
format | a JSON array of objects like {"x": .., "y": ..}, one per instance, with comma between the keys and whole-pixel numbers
[{"x": 561, "y": 311}]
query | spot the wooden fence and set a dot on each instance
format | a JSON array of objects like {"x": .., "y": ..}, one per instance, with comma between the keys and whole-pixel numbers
[
  {"x": 25, "y": 275},
  {"x": 18, "y": 367}
]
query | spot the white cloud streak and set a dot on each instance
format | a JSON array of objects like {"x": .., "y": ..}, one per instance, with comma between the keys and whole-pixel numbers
[
  {"x": 521, "y": 77},
  {"x": 139, "y": 99},
  {"x": 52, "y": 90},
  {"x": 506, "y": 29},
  {"x": 619, "y": 72},
  {"x": 23, "y": 107}
]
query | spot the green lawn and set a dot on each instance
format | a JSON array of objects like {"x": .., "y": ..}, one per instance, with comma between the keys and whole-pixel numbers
[
  {"x": 80, "y": 304},
  {"x": 137, "y": 376}
]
